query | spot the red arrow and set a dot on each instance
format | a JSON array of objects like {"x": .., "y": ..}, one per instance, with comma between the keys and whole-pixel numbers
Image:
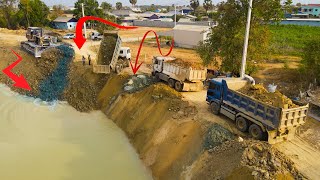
[
  {"x": 80, "y": 40},
  {"x": 136, "y": 66},
  {"x": 20, "y": 82}
]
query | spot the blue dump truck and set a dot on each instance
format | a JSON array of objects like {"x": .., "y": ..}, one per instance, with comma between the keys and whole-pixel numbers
[{"x": 263, "y": 121}]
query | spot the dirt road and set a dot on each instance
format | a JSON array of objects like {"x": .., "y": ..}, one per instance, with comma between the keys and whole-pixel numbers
[{"x": 305, "y": 157}]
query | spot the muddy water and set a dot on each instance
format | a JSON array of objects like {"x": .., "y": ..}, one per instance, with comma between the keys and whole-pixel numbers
[{"x": 39, "y": 143}]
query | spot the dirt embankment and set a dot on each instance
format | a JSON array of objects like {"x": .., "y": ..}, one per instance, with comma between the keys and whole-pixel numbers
[
  {"x": 159, "y": 125},
  {"x": 175, "y": 144}
]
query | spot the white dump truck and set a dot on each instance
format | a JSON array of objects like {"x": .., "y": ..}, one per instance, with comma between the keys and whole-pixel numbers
[
  {"x": 178, "y": 77},
  {"x": 120, "y": 58}
]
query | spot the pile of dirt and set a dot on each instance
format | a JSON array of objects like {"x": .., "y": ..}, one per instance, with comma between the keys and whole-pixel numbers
[
  {"x": 248, "y": 159},
  {"x": 186, "y": 64},
  {"x": 106, "y": 50},
  {"x": 276, "y": 99},
  {"x": 84, "y": 87},
  {"x": 267, "y": 162}
]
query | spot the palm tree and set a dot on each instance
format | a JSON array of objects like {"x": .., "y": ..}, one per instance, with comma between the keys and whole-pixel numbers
[{"x": 133, "y": 2}]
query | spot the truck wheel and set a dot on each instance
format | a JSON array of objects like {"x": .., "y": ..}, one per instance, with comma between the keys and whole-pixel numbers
[
  {"x": 118, "y": 69},
  {"x": 178, "y": 86},
  {"x": 156, "y": 76},
  {"x": 215, "y": 108},
  {"x": 171, "y": 83},
  {"x": 242, "y": 124},
  {"x": 256, "y": 132}
]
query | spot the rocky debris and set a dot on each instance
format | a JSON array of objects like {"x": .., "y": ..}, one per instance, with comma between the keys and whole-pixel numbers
[
  {"x": 186, "y": 64},
  {"x": 264, "y": 161},
  {"x": 106, "y": 50},
  {"x": 216, "y": 135},
  {"x": 274, "y": 99},
  {"x": 137, "y": 82},
  {"x": 54, "y": 84},
  {"x": 84, "y": 87},
  {"x": 267, "y": 162}
]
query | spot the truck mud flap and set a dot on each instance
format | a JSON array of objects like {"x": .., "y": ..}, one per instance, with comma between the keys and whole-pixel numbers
[
  {"x": 275, "y": 136},
  {"x": 192, "y": 86}
]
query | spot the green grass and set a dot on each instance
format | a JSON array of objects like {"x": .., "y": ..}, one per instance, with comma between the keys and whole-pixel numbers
[{"x": 291, "y": 39}]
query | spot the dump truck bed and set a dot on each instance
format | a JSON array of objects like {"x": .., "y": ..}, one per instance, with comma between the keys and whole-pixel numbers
[
  {"x": 106, "y": 69},
  {"x": 184, "y": 74},
  {"x": 276, "y": 120}
]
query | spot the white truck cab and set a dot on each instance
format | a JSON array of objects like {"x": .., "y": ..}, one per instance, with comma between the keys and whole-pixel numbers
[{"x": 125, "y": 53}]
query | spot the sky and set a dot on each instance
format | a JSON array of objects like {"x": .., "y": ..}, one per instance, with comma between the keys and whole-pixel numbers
[{"x": 160, "y": 2}]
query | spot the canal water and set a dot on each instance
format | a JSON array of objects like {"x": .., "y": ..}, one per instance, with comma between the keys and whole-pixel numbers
[{"x": 60, "y": 143}]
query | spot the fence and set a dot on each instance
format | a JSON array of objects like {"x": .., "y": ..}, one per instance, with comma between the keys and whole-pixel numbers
[{"x": 165, "y": 24}]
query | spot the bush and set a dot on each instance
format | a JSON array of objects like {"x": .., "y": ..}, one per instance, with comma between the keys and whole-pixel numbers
[{"x": 311, "y": 59}]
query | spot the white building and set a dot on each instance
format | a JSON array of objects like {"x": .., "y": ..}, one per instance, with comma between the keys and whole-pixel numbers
[{"x": 189, "y": 36}]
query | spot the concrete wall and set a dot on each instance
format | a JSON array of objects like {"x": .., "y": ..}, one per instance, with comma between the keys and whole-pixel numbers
[
  {"x": 166, "y": 24},
  {"x": 188, "y": 39},
  {"x": 300, "y": 23}
]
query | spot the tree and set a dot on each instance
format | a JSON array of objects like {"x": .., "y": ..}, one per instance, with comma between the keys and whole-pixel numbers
[
  {"x": 57, "y": 10},
  {"x": 194, "y": 5},
  {"x": 34, "y": 13},
  {"x": 106, "y": 6},
  {"x": 119, "y": 5},
  {"x": 225, "y": 41},
  {"x": 8, "y": 12},
  {"x": 91, "y": 8},
  {"x": 311, "y": 59},
  {"x": 133, "y": 2},
  {"x": 288, "y": 6},
  {"x": 207, "y": 4}
]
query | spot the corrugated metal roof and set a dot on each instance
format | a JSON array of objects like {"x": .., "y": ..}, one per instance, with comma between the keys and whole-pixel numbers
[{"x": 63, "y": 19}]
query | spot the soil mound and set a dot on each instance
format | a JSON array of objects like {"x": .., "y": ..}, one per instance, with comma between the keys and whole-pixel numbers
[
  {"x": 106, "y": 50},
  {"x": 274, "y": 99},
  {"x": 248, "y": 159},
  {"x": 186, "y": 64}
]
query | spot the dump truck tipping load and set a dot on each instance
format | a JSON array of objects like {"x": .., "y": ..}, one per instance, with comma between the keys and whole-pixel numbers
[
  {"x": 251, "y": 114},
  {"x": 182, "y": 78},
  {"x": 108, "y": 58}
]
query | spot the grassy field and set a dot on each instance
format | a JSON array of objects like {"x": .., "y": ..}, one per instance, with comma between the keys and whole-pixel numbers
[{"x": 290, "y": 39}]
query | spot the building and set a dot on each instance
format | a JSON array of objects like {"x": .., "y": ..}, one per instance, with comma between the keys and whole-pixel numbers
[
  {"x": 124, "y": 13},
  {"x": 311, "y": 9},
  {"x": 189, "y": 36},
  {"x": 65, "y": 23}
]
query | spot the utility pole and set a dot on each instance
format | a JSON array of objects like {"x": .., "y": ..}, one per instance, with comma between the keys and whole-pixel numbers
[
  {"x": 175, "y": 15},
  {"x": 246, "y": 42},
  {"x": 85, "y": 26}
]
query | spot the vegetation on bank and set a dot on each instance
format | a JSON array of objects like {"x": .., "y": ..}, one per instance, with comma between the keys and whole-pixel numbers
[{"x": 291, "y": 39}]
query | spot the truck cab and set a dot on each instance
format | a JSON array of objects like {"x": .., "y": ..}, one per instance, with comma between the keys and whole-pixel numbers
[
  {"x": 158, "y": 61},
  {"x": 214, "y": 93},
  {"x": 125, "y": 53}
]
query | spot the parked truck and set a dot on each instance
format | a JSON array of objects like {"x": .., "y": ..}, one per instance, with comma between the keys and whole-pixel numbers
[
  {"x": 263, "y": 121},
  {"x": 120, "y": 58},
  {"x": 178, "y": 77}
]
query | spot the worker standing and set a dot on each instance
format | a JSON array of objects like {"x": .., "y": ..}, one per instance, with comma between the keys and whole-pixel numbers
[
  {"x": 89, "y": 59},
  {"x": 83, "y": 60}
]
